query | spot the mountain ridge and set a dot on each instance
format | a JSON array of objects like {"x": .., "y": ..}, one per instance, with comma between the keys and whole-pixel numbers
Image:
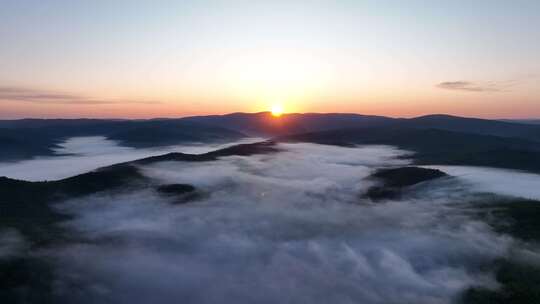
[{"x": 34, "y": 137}]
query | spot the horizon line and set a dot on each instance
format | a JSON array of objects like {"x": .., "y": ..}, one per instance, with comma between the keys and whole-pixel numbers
[{"x": 268, "y": 112}]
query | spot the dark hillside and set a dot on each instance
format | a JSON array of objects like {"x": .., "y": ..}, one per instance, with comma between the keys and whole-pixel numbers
[{"x": 433, "y": 146}]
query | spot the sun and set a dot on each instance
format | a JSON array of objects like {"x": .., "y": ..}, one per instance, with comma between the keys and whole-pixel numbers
[{"x": 277, "y": 110}]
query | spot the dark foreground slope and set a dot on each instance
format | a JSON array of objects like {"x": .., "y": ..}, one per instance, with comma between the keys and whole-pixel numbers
[
  {"x": 433, "y": 146},
  {"x": 26, "y": 206},
  {"x": 519, "y": 274}
]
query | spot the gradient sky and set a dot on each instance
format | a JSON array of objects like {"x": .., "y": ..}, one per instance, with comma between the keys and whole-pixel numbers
[{"x": 69, "y": 58}]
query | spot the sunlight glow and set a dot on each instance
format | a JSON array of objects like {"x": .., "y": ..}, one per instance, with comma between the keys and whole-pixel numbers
[{"x": 277, "y": 110}]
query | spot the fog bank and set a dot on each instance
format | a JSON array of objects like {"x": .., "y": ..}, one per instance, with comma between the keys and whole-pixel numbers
[
  {"x": 289, "y": 227},
  {"x": 82, "y": 154},
  {"x": 499, "y": 181}
]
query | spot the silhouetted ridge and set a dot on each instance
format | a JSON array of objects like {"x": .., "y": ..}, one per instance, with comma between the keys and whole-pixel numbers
[
  {"x": 395, "y": 179},
  {"x": 27, "y": 138},
  {"x": 475, "y": 126},
  {"x": 264, "y": 124},
  {"x": 406, "y": 176},
  {"x": 240, "y": 150}
]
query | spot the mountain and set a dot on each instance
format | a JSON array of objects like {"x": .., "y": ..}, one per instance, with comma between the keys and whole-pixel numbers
[
  {"x": 394, "y": 180},
  {"x": 474, "y": 125},
  {"x": 435, "y": 146},
  {"x": 29, "y": 138},
  {"x": 264, "y": 124},
  {"x": 24, "y": 143},
  {"x": 41, "y": 123},
  {"x": 523, "y": 121},
  {"x": 21, "y": 139},
  {"x": 154, "y": 133}
]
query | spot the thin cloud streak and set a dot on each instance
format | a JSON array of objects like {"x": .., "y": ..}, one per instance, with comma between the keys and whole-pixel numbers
[
  {"x": 470, "y": 86},
  {"x": 487, "y": 86},
  {"x": 48, "y": 97}
]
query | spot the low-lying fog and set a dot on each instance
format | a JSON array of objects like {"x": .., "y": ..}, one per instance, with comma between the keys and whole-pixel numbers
[
  {"x": 500, "y": 181},
  {"x": 289, "y": 227},
  {"x": 82, "y": 154}
]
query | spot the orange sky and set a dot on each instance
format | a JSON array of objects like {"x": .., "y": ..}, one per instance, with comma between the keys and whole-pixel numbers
[{"x": 136, "y": 59}]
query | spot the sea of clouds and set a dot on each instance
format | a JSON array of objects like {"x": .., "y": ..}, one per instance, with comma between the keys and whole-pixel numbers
[
  {"x": 287, "y": 227},
  {"x": 82, "y": 154},
  {"x": 500, "y": 181}
]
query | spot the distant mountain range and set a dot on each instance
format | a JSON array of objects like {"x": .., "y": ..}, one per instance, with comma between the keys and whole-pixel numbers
[
  {"x": 524, "y": 121},
  {"x": 264, "y": 124},
  {"x": 436, "y": 139}
]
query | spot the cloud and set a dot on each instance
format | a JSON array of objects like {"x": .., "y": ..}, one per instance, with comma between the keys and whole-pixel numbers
[
  {"x": 12, "y": 244},
  {"x": 470, "y": 86},
  {"x": 289, "y": 227},
  {"x": 43, "y": 96},
  {"x": 487, "y": 86},
  {"x": 499, "y": 181},
  {"x": 82, "y": 154}
]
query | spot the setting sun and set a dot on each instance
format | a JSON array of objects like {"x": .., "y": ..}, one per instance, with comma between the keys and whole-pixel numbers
[{"x": 277, "y": 110}]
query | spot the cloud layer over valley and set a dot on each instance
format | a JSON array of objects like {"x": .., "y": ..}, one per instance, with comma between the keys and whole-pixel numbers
[
  {"x": 82, "y": 154},
  {"x": 500, "y": 181},
  {"x": 288, "y": 227}
]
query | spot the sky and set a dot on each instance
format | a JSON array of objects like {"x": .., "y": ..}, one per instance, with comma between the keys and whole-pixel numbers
[{"x": 142, "y": 59}]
